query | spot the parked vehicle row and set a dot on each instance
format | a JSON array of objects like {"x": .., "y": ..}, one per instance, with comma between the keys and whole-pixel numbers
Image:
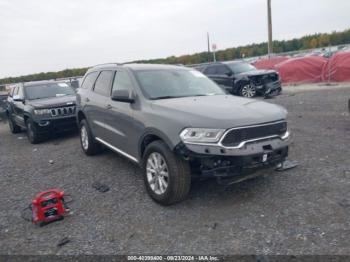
[
  {"x": 172, "y": 121},
  {"x": 3, "y": 99}
]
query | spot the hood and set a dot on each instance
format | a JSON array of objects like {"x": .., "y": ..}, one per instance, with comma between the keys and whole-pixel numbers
[
  {"x": 257, "y": 72},
  {"x": 53, "y": 102},
  {"x": 221, "y": 111}
]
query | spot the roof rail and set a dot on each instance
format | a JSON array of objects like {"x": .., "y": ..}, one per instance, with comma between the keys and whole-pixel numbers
[{"x": 119, "y": 64}]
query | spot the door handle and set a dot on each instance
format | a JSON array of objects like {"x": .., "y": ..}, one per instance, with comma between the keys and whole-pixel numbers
[
  {"x": 109, "y": 107},
  {"x": 87, "y": 100}
]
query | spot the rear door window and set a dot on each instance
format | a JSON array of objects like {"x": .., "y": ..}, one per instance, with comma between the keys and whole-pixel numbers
[{"x": 103, "y": 83}]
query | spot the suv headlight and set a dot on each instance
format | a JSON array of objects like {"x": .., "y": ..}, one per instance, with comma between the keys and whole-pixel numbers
[
  {"x": 201, "y": 135},
  {"x": 41, "y": 111}
]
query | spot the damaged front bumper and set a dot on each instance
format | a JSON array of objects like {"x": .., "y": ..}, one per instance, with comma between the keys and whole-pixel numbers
[
  {"x": 234, "y": 163},
  {"x": 269, "y": 89}
]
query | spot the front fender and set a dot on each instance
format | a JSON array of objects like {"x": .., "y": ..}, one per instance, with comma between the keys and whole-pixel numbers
[
  {"x": 155, "y": 132},
  {"x": 239, "y": 83}
]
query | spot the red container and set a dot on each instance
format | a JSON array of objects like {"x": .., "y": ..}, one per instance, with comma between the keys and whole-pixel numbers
[{"x": 48, "y": 206}]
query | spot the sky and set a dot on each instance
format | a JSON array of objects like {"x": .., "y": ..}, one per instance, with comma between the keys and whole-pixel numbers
[{"x": 41, "y": 35}]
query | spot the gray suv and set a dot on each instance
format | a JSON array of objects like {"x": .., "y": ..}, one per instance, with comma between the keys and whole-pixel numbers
[{"x": 177, "y": 124}]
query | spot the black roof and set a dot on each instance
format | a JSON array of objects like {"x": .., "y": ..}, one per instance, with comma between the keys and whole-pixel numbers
[{"x": 219, "y": 63}]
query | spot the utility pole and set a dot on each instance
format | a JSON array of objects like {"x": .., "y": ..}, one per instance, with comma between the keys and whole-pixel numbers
[
  {"x": 208, "y": 42},
  {"x": 214, "y": 47},
  {"x": 269, "y": 19}
]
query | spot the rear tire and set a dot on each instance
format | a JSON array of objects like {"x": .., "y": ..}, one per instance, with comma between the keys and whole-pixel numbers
[
  {"x": 88, "y": 143},
  {"x": 14, "y": 128},
  {"x": 32, "y": 132},
  {"x": 167, "y": 177}
]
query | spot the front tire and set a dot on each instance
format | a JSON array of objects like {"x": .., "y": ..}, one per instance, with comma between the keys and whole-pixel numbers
[
  {"x": 248, "y": 91},
  {"x": 167, "y": 177},
  {"x": 14, "y": 128},
  {"x": 32, "y": 132},
  {"x": 88, "y": 143}
]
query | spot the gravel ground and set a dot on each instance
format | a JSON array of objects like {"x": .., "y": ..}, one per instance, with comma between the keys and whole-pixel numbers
[{"x": 300, "y": 211}]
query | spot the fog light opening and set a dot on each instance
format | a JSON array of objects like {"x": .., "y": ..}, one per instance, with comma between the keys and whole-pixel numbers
[{"x": 44, "y": 123}]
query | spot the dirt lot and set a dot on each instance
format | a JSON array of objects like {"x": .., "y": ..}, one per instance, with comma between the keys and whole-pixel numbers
[{"x": 301, "y": 211}]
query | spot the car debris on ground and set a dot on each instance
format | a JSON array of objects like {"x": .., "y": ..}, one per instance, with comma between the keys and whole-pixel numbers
[
  {"x": 100, "y": 187},
  {"x": 63, "y": 241},
  {"x": 286, "y": 165}
]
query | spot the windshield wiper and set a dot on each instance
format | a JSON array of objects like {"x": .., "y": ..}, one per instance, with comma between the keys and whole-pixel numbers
[
  {"x": 164, "y": 97},
  {"x": 169, "y": 97},
  {"x": 211, "y": 94}
]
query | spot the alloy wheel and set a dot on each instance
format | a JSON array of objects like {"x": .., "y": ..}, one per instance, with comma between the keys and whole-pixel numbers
[
  {"x": 157, "y": 173},
  {"x": 248, "y": 91},
  {"x": 84, "y": 138}
]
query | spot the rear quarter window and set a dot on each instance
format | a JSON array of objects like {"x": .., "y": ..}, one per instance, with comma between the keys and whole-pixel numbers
[
  {"x": 89, "y": 80},
  {"x": 103, "y": 83},
  {"x": 222, "y": 70},
  {"x": 14, "y": 91},
  {"x": 210, "y": 70}
]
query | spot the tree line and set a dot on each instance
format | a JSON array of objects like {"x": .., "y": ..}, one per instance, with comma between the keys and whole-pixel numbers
[{"x": 307, "y": 42}]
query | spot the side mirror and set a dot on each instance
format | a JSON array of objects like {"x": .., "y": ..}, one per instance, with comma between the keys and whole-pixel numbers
[
  {"x": 17, "y": 98},
  {"x": 228, "y": 73},
  {"x": 75, "y": 84},
  {"x": 123, "y": 95}
]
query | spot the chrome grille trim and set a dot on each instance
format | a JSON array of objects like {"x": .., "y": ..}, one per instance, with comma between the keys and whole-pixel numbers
[
  {"x": 243, "y": 142},
  {"x": 62, "y": 111}
]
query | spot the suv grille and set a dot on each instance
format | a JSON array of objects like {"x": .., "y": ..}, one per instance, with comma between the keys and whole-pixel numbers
[
  {"x": 236, "y": 136},
  {"x": 63, "y": 111}
]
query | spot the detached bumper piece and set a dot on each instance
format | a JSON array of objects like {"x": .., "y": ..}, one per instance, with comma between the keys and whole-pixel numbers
[
  {"x": 286, "y": 165},
  {"x": 56, "y": 125},
  {"x": 272, "y": 89}
]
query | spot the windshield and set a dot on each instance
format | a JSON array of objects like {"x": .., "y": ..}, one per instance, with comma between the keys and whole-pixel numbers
[
  {"x": 163, "y": 84},
  {"x": 238, "y": 68},
  {"x": 48, "y": 90}
]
